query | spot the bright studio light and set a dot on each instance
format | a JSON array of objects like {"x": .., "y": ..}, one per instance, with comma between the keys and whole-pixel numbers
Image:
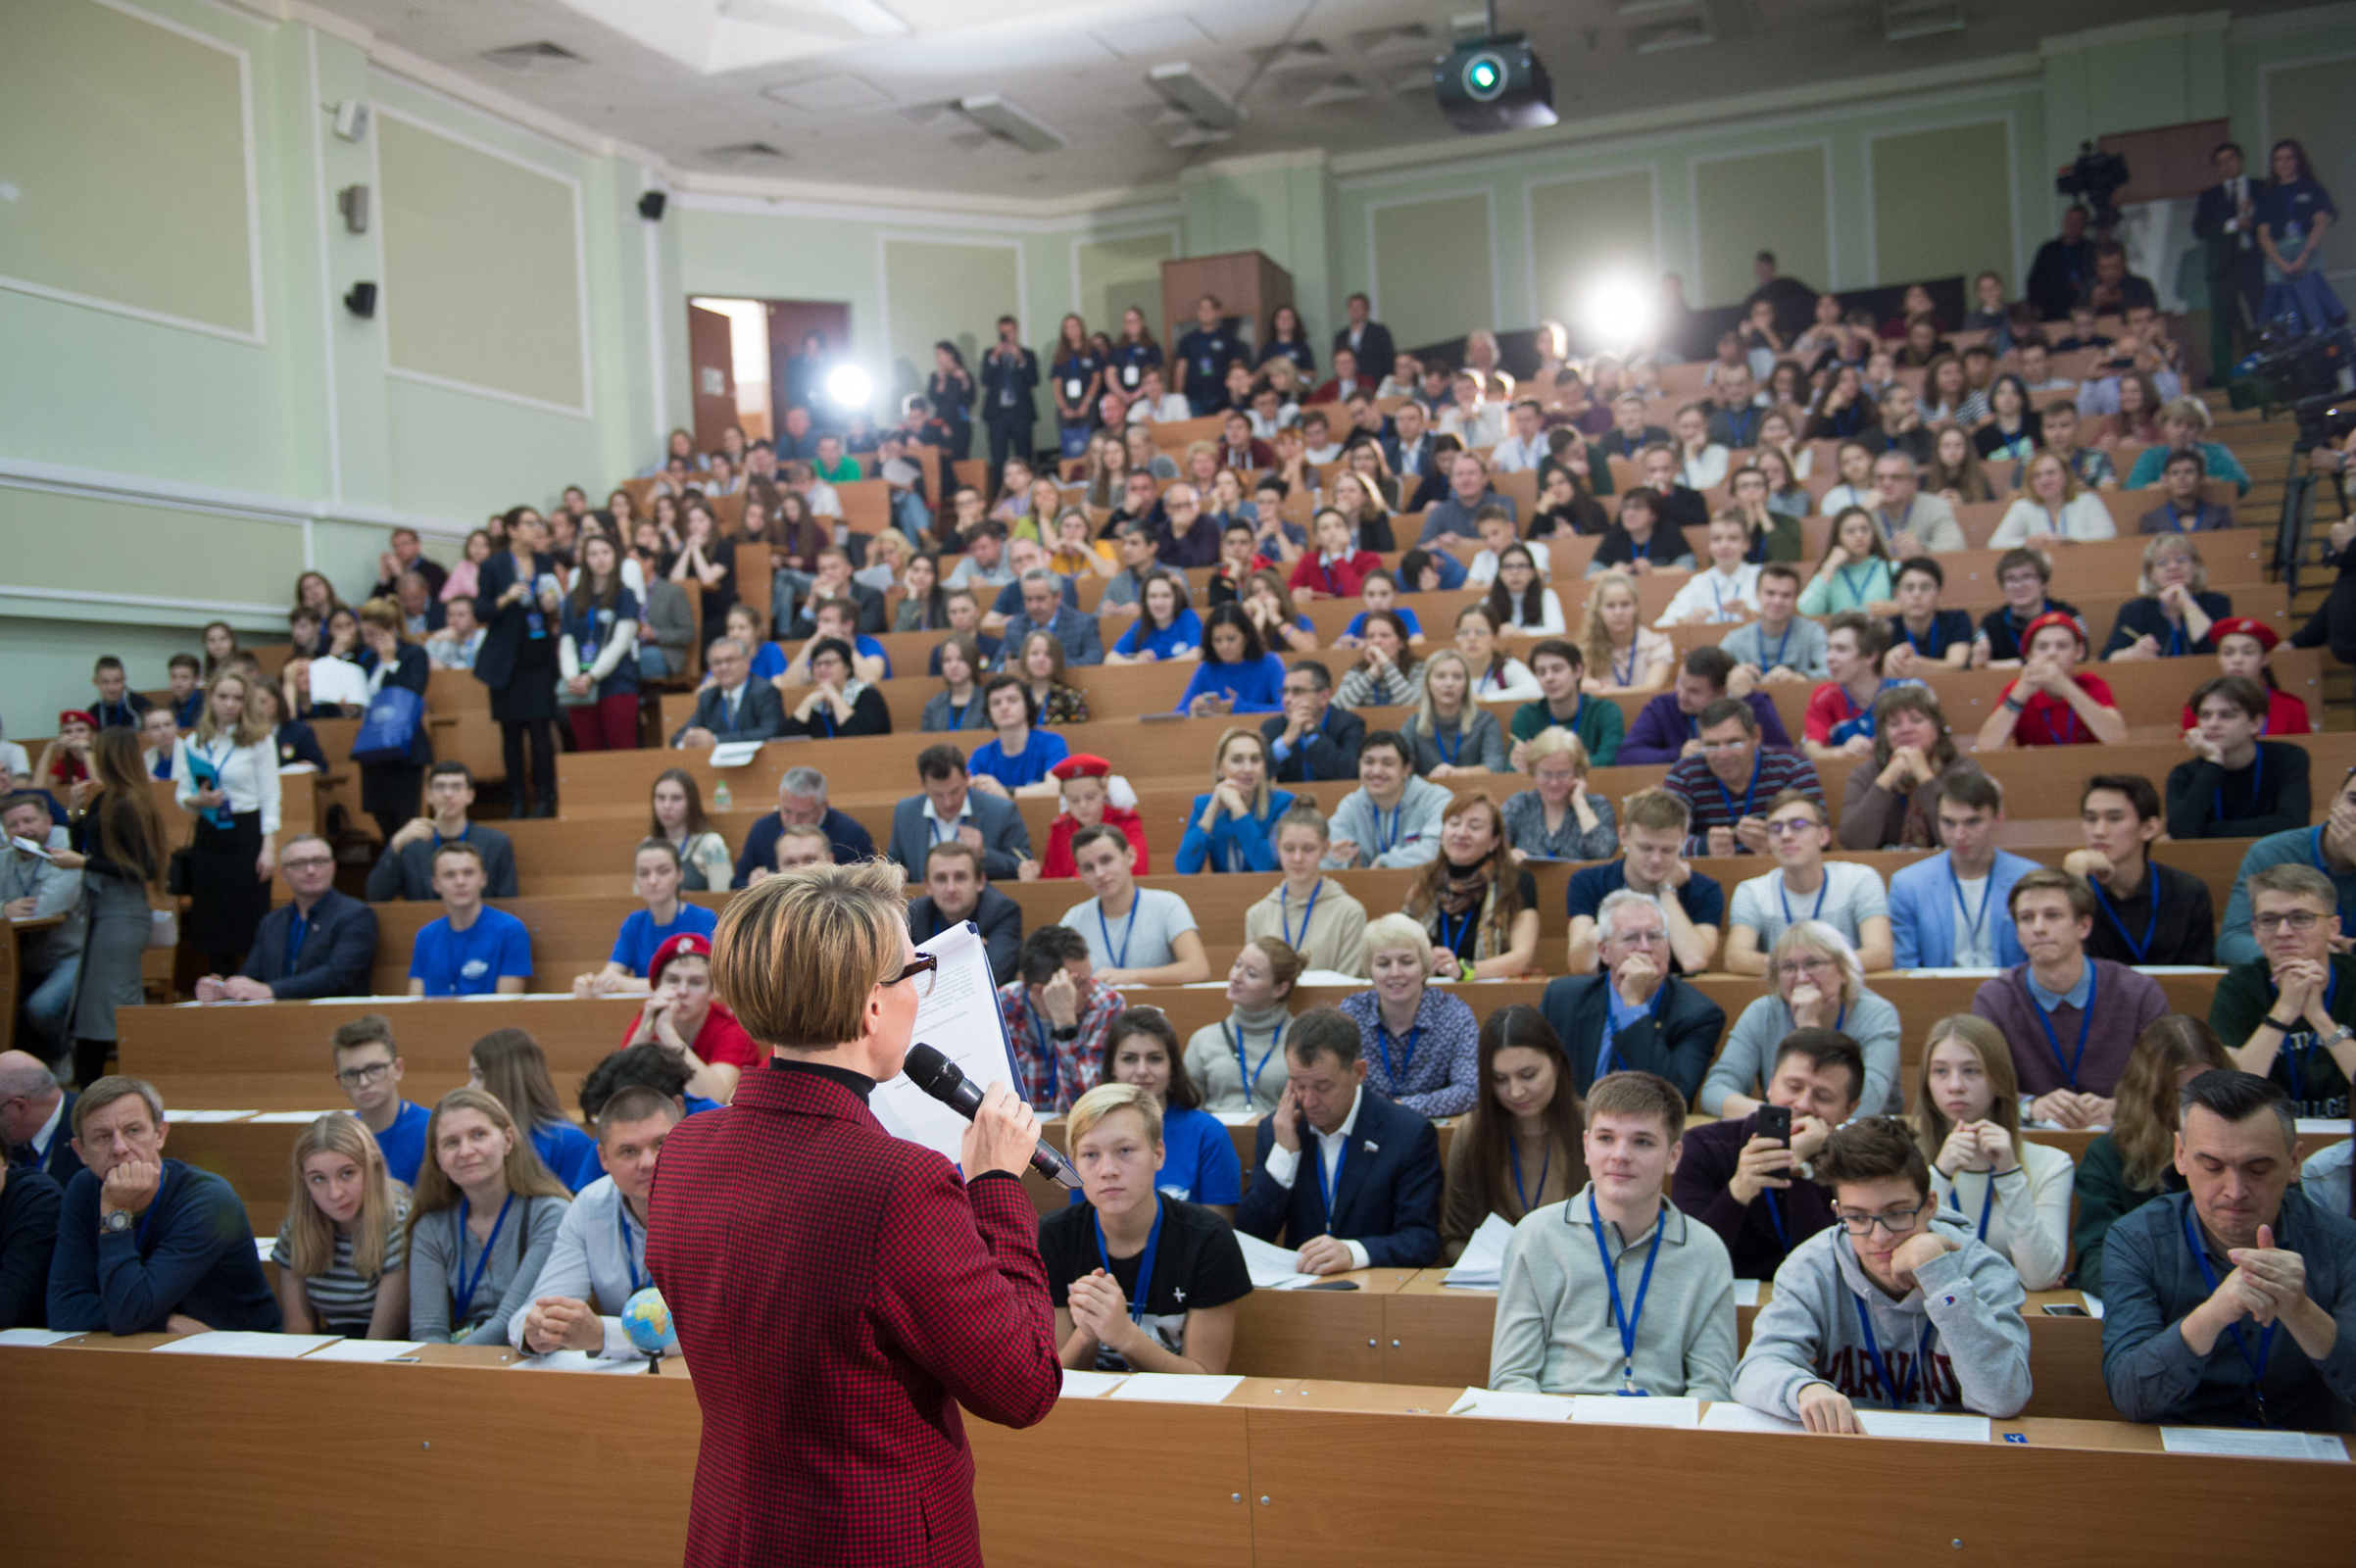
[
  {"x": 849, "y": 386},
  {"x": 1619, "y": 311}
]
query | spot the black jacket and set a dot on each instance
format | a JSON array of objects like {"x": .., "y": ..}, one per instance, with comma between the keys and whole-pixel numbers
[
  {"x": 502, "y": 629},
  {"x": 1330, "y": 752},
  {"x": 1006, "y": 386},
  {"x": 1676, "y": 1041},
  {"x": 411, "y": 667},
  {"x": 759, "y": 715},
  {"x": 63, "y": 1162},
  {"x": 409, "y": 873},
  {"x": 2056, "y": 276},
  {"x": 999, "y": 917},
  {"x": 1387, "y": 1198},
  {"x": 27, "y": 1236},
  {"x": 338, "y": 953},
  {"x": 1373, "y": 348}
]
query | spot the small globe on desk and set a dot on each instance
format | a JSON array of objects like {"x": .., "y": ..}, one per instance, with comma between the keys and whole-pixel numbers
[{"x": 646, "y": 1319}]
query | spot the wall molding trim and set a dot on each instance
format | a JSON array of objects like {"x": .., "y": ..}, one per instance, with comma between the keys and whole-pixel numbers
[{"x": 100, "y": 484}]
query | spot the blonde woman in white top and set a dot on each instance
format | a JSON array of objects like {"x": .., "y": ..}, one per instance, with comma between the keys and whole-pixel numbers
[
  {"x": 1621, "y": 654},
  {"x": 2015, "y": 1195},
  {"x": 227, "y": 773},
  {"x": 2056, "y": 506}
]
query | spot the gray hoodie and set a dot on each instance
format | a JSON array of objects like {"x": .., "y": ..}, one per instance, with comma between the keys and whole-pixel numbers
[
  {"x": 1809, "y": 1333},
  {"x": 1414, "y": 838}
]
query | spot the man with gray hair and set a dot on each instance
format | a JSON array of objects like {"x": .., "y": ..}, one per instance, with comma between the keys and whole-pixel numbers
[
  {"x": 801, "y": 802},
  {"x": 734, "y": 707},
  {"x": 36, "y": 1118},
  {"x": 320, "y": 943},
  {"x": 1634, "y": 1015},
  {"x": 35, "y": 888},
  {"x": 1044, "y": 609}
]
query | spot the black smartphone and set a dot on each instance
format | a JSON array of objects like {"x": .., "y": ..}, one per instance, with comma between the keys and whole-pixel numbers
[
  {"x": 1332, "y": 1285},
  {"x": 1774, "y": 1121},
  {"x": 2065, "y": 1309}
]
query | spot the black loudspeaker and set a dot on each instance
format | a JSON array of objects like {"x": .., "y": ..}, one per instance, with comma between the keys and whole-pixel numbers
[
  {"x": 651, "y": 205},
  {"x": 362, "y": 301},
  {"x": 1494, "y": 84}
]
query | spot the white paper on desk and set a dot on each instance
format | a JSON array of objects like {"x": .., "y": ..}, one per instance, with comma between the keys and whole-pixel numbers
[
  {"x": 2322, "y": 1126},
  {"x": 1330, "y": 977},
  {"x": 264, "y": 1245},
  {"x": 1918, "y": 1424},
  {"x": 367, "y": 1351},
  {"x": 238, "y": 1341},
  {"x": 1271, "y": 1268},
  {"x": 35, "y": 1338},
  {"x": 185, "y": 1116},
  {"x": 1725, "y": 1415},
  {"x": 1091, "y": 1385},
  {"x": 734, "y": 753},
  {"x": 1511, "y": 1405},
  {"x": 1610, "y": 1410},
  {"x": 959, "y": 1018},
  {"x": 1238, "y": 1118},
  {"x": 1747, "y": 1293},
  {"x": 286, "y": 1118},
  {"x": 1482, "y": 1264},
  {"x": 1175, "y": 1388},
  {"x": 2093, "y": 1303},
  {"x": 578, "y": 1361},
  {"x": 2243, "y": 1443}
]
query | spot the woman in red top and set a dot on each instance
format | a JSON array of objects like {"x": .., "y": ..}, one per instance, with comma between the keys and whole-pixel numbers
[
  {"x": 1333, "y": 571},
  {"x": 686, "y": 1019},
  {"x": 2051, "y": 704},
  {"x": 2242, "y": 647},
  {"x": 1087, "y": 801}
]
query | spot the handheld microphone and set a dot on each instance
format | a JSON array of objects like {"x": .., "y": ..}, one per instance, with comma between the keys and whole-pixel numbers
[{"x": 939, "y": 1077}]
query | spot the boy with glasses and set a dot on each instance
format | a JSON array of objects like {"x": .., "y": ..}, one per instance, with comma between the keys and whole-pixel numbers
[
  {"x": 2023, "y": 575},
  {"x": 368, "y": 1069},
  {"x": 1896, "y": 1306},
  {"x": 2289, "y": 1014},
  {"x": 1806, "y": 886},
  {"x": 2330, "y": 848}
]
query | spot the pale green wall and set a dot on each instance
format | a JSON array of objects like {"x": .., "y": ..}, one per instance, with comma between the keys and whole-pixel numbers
[
  {"x": 935, "y": 290},
  {"x": 1583, "y": 228},
  {"x": 1771, "y": 201},
  {"x": 1940, "y": 200},
  {"x": 1433, "y": 275},
  {"x": 1116, "y": 274}
]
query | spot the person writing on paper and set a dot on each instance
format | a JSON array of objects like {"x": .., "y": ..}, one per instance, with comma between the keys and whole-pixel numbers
[
  {"x": 1136, "y": 936},
  {"x": 480, "y": 1224},
  {"x": 1751, "y": 1182},
  {"x": 1143, "y": 1281},
  {"x": 2285, "y": 1014},
  {"x": 1896, "y": 1306},
  {"x": 598, "y": 1258},
  {"x": 1520, "y": 1151},
  {"x": 1198, "y": 1162},
  {"x": 1370, "y": 1195},
  {"x": 2232, "y": 1304},
  {"x": 342, "y": 1250},
  {"x": 1618, "y": 1291},
  {"x": 1229, "y": 1060},
  {"x": 1966, "y": 1120}
]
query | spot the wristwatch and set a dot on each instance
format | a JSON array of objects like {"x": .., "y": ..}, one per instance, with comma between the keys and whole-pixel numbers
[
  {"x": 1071, "y": 1033},
  {"x": 116, "y": 1223},
  {"x": 2344, "y": 1032}
]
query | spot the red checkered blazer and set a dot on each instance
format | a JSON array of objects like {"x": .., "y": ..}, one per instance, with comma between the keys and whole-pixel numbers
[{"x": 839, "y": 1293}]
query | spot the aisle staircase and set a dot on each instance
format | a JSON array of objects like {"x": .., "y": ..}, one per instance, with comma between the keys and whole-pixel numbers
[{"x": 2263, "y": 446}]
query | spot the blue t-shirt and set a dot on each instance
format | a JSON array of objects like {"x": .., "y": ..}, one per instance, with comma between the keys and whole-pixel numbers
[
  {"x": 1042, "y": 751},
  {"x": 1162, "y": 641},
  {"x": 403, "y": 1144},
  {"x": 697, "y": 1104},
  {"x": 872, "y": 649},
  {"x": 1358, "y": 623},
  {"x": 768, "y": 662},
  {"x": 1701, "y": 898},
  {"x": 472, "y": 962},
  {"x": 1198, "y": 1159},
  {"x": 634, "y": 948},
  {"x": 567, "y": 1151}
]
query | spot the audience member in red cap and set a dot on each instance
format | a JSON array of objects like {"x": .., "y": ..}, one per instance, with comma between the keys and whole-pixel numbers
[
  {"x": 685, "y": 1019},
  {"x": 2242, "y": 648},
  {"x": 2051, "y": 704},
  {"x": 66, "y": 760},
  {"x": 1087, "y": 801}
]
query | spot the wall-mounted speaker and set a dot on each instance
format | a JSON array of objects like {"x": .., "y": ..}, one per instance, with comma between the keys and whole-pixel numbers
[
  {"x": 352, "y": 118},
  {"x": 352, "y": 202},
  {"x": 651, "y": 205},
  {"x": 362, "y": 301}
]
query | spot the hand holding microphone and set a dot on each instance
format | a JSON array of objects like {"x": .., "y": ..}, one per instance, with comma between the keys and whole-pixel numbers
[{"x": 1002, "y": 1135}]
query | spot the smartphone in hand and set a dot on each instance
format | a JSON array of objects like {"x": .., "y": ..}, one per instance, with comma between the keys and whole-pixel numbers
[{"x": 1774, "y": 1121}]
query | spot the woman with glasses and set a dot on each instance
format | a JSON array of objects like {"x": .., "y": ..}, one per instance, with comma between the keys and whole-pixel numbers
[
  {"x": 1815, "y": 981},
  {"x": 1903, "y": 1305},
  {"x": 1966, "y": 1120}
]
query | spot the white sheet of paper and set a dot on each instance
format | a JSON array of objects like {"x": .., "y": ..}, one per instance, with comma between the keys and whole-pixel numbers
[
  {"x": 38, "y": 1338},
  {"x": 1919, "y": 1424},
  {"x": 2093, "y": 1303},
  {"x": 338, "y": 680},
  {"x": 2317, "y": 1126},
  {"x": 2240, "y": 1443},
  {"x": 264, "y": 1245},
  {"x": 577, "y": 1362},
  {"x": 959, "y": 1018},
  {"x": 1175, "y": 1388},
  {"x": 1091, "y": 1385},
  {"x": 365, "y": 1351},
  {"x": 734, "y": 753},
  {"x": 1747, "y": 1293},
  {"x": 286, "y": 1118},
  {"x": 208, "y": 1115},
  {"x": 1271, "y": 1268},
  {"x": 1237, "y": 1118},
  {"x": 1516, "y": 1404},
  {"x": 1482, "y": 1265},
  {"x": 237, "y": 1341},
  {"x": 1725, "y": 1415},
  {"x": 1330, "y": 977},
  {"x": 1610, "y": 1410},
  {"x": 26, "y": 845}
]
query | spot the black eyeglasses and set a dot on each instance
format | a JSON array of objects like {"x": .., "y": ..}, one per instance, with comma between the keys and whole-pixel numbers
[{"x": 921, "y": 969}]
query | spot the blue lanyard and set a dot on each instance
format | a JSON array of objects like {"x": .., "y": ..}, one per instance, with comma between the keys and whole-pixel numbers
[
  {"x": 2176, "y": 640},
  {"x": 2265, "y": 1338},
  {"x": 1448, "y": 753},
  {"x": 1986, "y": 893},
  {"x": 1513, "y": 1153},
  {"x": 1046, "y": 1049},
  {"x": 1922, "y": 1359},
  {"x": 1119, "y": 956},
  {"x": 1782, "y": 644},
  {"x": 1987, "y": 1201},
  {"x": 1784, "y": 893},
  {"x": 2085, "y": 1021},
  {"x": 298, "y": 927},
  {"x": 956, "y": 714},
  {"x": 943, "y": 832},
  {"x": 1145, "y": 1261},
  {"x": 2175, "y": 523},
  {"x": 1235, "y": 1042},
  {"x": 629, "y": 1258},
  {"x": 461, "y": 1297},
  {"x": 1775, "y": 1217},
  {"x": 1627, "y": 677},
  {"x": 1627, "y": 1319},
  {"x": 1757, "y": 759},
  {"x": 1284, "y": 914},
  {"x": 1386, "y": 838},
  {"x": 2151, "y": 874},
  {"x": 1453, "y": 942},
  {"x": 1850, "y": 583},
  {"x": 1325, "y": 1193},
  {"x": 2257, "y": 779},
  {"x": 1407, "y": 1060}
]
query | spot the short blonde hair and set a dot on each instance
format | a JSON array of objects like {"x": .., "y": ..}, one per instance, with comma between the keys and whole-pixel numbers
[
  {"x": 1105, "y": 1098},
  {"x": 1824, "y": 939},
  {"x": 797, "y": 956},
  {"x": 1399, "y": 931},
  {"x": 2162, "y": 543},
  {"x": 2190, "y": 411},
  {"x": 1555, "y": 741}
]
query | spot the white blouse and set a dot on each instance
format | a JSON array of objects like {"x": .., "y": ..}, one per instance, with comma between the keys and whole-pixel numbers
[
  {"x": 2085, "y": 518},
  {"x": 2029, "y": 1220},
  {"x": 249, "y": 775}
]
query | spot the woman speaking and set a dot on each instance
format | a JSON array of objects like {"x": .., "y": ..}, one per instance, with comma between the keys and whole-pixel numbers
[{"x": 840, "y": 1292}]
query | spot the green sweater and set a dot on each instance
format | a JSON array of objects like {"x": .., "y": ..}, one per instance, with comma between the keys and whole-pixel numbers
[
  {"x": 1600, "y": 727},
  {"x": 2304, "y": 1069},
  {"x": 2103, "y": 1199}
]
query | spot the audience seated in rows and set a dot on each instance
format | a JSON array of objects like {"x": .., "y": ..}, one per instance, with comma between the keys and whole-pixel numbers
[
  {"x": 1421, "y": 1043},
  {"x": 1525, "y": 1128},
  {"x": 1633, "y": 1014},
  {"x": 656, "y": 876},
  {"x": 801, "y": 802},
  {"x": 682, "y": 1016},
  {"x": 2283, "y": 1014},
  {"x": 1749, "y": 1179},
  {"x": 1952, "y": 910},
  {"x": 1764, "y": 907}
]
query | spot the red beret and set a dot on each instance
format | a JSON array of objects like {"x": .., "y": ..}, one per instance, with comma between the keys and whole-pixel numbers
[
  {"x": 75, "y": 716},
  {"x": 2244, "y": 627},
  {"x": 2054, "y": 617},
  {"x": 1081, "y": 765},
  {"x": 686, "y": 945}
]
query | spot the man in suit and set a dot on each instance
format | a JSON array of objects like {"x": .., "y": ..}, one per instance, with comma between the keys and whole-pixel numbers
[
  {"x": 36, "y": 1118},
  {"x": 734, "y": 707},
  {"x": 322, "y": 943},
  {"x": 2226, "y": 220},
  {"x": 1370, "y": 1196},
  {"x": 801, "y": 1249},
  {"x": 956, "y": 891},
  {"x": 801, "y": 802},
  {"x": 1369, "y": 340},
  {"x": 1044, "y": 609},
  {"x": 1009, "y": 375},
  {"x": 1633, "y": 1015},
  {"x": 406, "y": 869},
  {"x": 1313, "y": 739},
  {"x": 1407, "y": 449},
  {"x": 32, "y": 887},
  {"x": 950, "y": 812},
  {"x": 1925, "y": 931}
]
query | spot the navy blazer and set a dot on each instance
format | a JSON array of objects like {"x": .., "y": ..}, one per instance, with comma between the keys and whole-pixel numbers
[
  {"x": 1675, "y": 1041},
  {"x": 1006, "y": 837},
  {"x": 502, "y": 629},
  {"x": 1330, "y": 752},
  {"x": 1008, "y": 375},
  {"x": 760, "y": 714},
  {"x": 337, "y": 954},
  {"x": 63, "y": 1162},
  {"x": 1387, "y": 1200}
]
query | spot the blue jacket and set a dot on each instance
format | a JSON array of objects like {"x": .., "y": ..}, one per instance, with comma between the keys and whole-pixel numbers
[
  {"x": 338, "y": 951},
  {"x": 1387, "y": 1200},
  {"x": 191, "y": 1252},
  {"x": 1922, "y": 911},
  {"x": 1251, "y": 835},
  {"x": 1259, "y": 688}
]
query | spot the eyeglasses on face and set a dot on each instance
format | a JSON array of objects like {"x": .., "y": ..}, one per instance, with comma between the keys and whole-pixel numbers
[
  {"x": 1814, "y": 963},
  {"x": 1896, "y": 1222},
  {"x": 918, "y": 972},
  {"x": 2298, "y": 920},
  {"x": 354, "y": 1077},
  {"x": 307, "y": 863},
  {"x": 1791, "y": 827}
]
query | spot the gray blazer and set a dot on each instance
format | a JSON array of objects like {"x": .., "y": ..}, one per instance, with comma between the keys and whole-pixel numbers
[
  {"x": 759, "y": 715},
  {"x": 1006, "y": 839}
]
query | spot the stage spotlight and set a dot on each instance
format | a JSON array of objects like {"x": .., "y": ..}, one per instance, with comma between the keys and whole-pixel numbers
[
  {"x": 1618, "y": 310},
  {"x": 849, "y": 386}
]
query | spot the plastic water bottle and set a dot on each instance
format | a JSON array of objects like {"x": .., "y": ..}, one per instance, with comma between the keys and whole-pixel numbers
[{"x": 721, "y": 799}]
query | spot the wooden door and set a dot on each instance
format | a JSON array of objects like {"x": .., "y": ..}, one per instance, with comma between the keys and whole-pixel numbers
[
  {"x": 711, "y": 362},
  {"x": 793, "y": 379}
]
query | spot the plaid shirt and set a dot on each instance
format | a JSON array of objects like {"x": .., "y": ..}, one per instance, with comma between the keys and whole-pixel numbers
[
  {"x": 1057, "y": 1072},
  {"x": 1713, "y": 805}
]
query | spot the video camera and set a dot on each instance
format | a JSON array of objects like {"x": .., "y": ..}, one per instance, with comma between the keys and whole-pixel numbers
[
  {"x": 2095, "y": 179},
  {"x": 2315, "y": 374}
]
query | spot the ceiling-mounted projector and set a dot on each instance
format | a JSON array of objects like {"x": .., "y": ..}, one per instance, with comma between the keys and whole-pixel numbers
[{"x": 1491, "y": 84}]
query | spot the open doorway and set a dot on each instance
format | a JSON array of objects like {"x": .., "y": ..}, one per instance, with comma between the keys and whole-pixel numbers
[{"x": 752, "y": 360}]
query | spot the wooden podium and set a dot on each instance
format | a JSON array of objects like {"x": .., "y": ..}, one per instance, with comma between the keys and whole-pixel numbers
[{"x": 1248, "y": 285}]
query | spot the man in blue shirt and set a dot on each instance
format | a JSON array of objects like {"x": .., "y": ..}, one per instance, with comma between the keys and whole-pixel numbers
[
  {"x": 147, "y": 1245},
  {"x": 368, "y": 1070},
  {"x": 473, "y": 950}
]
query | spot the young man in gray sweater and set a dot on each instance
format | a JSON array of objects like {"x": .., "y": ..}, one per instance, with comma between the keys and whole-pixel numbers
[
  {"x": 1618, "y": 1291},
  {"x": 1896, "y": 1306},
  {"x": 1393, "y": 818}
]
